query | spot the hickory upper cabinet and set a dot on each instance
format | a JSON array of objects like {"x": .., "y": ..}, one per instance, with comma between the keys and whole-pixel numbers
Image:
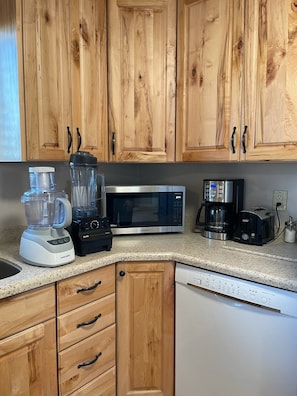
[
  {"x": 142, "y": 80},
  {"x": 209, "y": 79},
  {"x": 236, "y": 79},
  {"x": 65, "y": 77}
]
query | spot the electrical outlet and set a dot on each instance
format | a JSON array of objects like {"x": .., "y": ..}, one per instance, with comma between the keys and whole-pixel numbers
[{"x": 281, "y": 197}]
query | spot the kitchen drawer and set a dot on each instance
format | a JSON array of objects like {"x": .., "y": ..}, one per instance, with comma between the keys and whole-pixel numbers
[
  {"x": 86, "y": 360},
  {"x": 26, "y": 310},
  {"x": 104, "y": 385},
  {"x": 85, "y": 321},
  {"x": 82, "y": 289}
]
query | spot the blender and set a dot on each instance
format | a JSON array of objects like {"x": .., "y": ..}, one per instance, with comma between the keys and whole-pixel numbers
[
  {"x": 90, "y": 228},
  {"x": 46, "y": 242}
]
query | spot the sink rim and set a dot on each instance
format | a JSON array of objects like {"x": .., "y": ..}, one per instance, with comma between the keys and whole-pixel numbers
[{"x": 9, "y": 268}]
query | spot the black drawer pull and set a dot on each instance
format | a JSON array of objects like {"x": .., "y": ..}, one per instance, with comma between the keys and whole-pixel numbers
[
  {"x": 90, "y": 322},
  {"x": 86, "y": 289},
  {"x": 90, "y": 362},
  {"x": 122, "y": 273}
]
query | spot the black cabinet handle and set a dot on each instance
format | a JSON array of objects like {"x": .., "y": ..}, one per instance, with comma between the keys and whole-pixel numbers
[
  {"x": 113, "y": 142},
  {"x": 69, "y": 139},
  {"x": 122, "y": 273},
  {"x": 86, "y": 289},
  {"x": 78, "y": 139},
  {"x": 243, "y": 139},
  {"x": 90, "y": 362},
  {"x": 232, "y": 140},
  {"x": 94, "y": 320}
]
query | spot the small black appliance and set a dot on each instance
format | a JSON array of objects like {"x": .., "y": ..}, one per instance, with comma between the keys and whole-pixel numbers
[
  {"x": 90, "y": 228},
  {"x": 255, "y": 227},
  {"x": 223, "y": 200}
]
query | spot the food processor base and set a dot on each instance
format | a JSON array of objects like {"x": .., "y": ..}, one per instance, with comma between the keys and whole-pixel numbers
[{"x": 34, "y": 250}]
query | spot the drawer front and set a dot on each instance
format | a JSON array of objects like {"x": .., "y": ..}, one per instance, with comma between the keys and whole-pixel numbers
[
  {"x": 82, "y": 289},
  {"x": 27, "y": 309},
  {"x": 86, "y": 360},
  {"x": 104, "y": 385},
  {"x": 85, "y": 321}
]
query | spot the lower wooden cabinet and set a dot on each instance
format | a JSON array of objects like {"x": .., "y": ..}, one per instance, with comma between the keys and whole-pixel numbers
[
  {"x": 28, "y": 344},
  {"x": 86, "y": 333},
  {"x": 145, "y": 328}
]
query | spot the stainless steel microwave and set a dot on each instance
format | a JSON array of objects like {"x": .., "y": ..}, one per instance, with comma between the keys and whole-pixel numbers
[{"x": 145, "y": 209}]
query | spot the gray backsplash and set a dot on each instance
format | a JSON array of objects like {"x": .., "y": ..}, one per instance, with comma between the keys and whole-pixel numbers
[{"x": 260, "y": 181}]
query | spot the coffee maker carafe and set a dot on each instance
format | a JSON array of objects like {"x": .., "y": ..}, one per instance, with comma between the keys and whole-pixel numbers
[
  {"x": 223, "y": 200},
  {"x": 46, "y": 242},
  {"x": 90, "y": 228}
]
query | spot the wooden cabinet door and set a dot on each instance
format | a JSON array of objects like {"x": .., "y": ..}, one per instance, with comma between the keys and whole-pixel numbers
[
  {"x": 47, "y": 84},
  {"x": 270, "y": 80},
  {"x": 64, "y": 55},
  {"x": 141, "y": 67},
  {"x": 89, "y": 76},
  {"x": 28, "y": 362},
  {"x": 145, "y": 328},
  {"x": 210, "y": 35}
]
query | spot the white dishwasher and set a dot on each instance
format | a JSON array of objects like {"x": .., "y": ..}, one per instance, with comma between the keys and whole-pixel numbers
[{"x": 233, "y": 337}]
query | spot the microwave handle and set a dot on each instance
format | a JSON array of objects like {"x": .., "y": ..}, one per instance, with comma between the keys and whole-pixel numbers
[{"x": 198, "y": 223}]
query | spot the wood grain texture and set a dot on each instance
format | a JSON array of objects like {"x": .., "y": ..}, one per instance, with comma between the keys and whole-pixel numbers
[
  {"x": 141, "y": 65},
  {"x": 28, "y": 362},
  {"x": 271, "y": 79},
  {"x": 209, "y": 61},
  {"x": 65, "y": 80},
  {"x": 71, "y": 375},
  {"x": 100, "y": 281},
  {"x": 70, "y": 328},
  {"x": 27, "y": 309},
  {"x": 145, "y": 323}
]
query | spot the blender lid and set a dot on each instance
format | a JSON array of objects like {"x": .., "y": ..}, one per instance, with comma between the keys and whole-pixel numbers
[{"x": 81, "y": 158}]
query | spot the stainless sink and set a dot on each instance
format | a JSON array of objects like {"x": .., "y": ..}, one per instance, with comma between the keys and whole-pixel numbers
[{"x": 8, "y": 269}]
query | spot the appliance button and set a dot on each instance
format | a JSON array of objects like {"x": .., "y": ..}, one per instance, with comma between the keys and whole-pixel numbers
[{"x": 244, "y": 237}]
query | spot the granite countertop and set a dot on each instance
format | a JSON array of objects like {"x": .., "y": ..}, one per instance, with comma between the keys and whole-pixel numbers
[{"x": 273, "y": 264}]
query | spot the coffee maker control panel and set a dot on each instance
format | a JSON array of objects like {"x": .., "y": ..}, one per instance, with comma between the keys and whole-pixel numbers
[{"x": 218, "y": 191}]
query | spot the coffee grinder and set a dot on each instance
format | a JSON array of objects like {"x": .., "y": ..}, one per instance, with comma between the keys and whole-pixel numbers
[
  {"x": 46, "y": 242},
  {"x": 90, "y": 228},
  {"x": 223, "y": 200}
]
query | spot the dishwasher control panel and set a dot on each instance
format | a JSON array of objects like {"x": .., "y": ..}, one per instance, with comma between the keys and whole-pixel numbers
[{"x": 246, "y": 291}]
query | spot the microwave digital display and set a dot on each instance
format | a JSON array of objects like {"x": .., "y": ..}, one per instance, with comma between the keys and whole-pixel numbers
[{"x": 145, "y": 211}]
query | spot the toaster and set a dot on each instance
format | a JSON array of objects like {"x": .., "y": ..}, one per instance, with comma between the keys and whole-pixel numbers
[{"x": 254, "y": 227}]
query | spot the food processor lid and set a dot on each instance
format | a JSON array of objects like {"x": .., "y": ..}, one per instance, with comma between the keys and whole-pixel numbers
[
  {"x": 83, "y": 158},
  {"x": 41, "y": 169}
]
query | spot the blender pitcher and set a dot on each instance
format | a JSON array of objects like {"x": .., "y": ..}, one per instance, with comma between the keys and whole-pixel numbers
[
  {"x": 90, "y": 228},
  {"x": 87, "y": 186}
]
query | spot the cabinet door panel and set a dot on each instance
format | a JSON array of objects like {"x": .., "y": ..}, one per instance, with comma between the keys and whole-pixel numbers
[
  {"x": 142, "y": 79},
  {"x": 28, "y": 362},
  {"x": 46, "y": 78},
  {"x": 271, "y": 75},
  {"x": 209, "y": 79},
  {"x": 88, "y": 75},
  {"x": 145, "y": 328}
]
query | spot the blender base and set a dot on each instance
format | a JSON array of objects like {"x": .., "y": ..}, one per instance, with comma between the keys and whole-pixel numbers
[{"x": 33, "y": 250}]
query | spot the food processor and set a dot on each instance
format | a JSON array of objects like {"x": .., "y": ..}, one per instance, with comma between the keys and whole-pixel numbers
[
  {"x": 46, "y": 242},
  {"x": 90, "y": 228}
]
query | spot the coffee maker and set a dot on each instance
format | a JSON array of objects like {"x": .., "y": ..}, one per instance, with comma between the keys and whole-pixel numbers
[
  {"x": 46, "y": 242},
  {"x": 90, "y": 228},
  {"x": 223, "y": 200}
]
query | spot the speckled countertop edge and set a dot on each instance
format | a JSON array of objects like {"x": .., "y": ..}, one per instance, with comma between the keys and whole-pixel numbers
[{"x": 274, "y": 265}]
